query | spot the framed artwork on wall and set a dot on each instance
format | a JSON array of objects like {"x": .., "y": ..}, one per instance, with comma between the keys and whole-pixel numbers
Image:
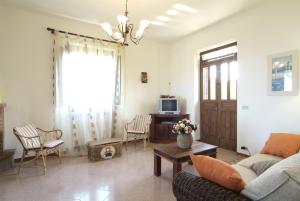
[
  {"x": 144, "y": 77},
  {"x": 283, "y": 74}
]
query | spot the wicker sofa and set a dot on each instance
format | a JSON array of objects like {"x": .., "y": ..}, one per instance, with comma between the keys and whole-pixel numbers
[
  {"x": 189, "y": 187},
  {"x": 280, "y": 182}
]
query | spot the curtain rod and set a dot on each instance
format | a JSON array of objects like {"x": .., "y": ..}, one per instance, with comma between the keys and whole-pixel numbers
[{"x": 83, "y": 36}]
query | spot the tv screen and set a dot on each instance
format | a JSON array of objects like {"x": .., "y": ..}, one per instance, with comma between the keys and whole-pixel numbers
[{"x": 169, "y": 105}]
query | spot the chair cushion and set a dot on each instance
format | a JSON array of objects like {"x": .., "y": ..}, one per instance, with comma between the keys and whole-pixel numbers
[
  {"x": 218, "y": 172},
  {"x": 247, "y": 174},
  {"x": 28, "y": 131},
  {"x": 135, "y": 131},
  {"x": 140, "y": 121},
  {"x": 248, "y": 162},
  {"x": 282, "y": 144},
  {"x": 279, "y": 182},
  {"x": 53, "y": 143}
]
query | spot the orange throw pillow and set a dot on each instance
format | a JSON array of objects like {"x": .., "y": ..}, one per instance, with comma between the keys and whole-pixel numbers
[
  {"x": 218, "y": 172},
  {"x": 282, "y": 144}
]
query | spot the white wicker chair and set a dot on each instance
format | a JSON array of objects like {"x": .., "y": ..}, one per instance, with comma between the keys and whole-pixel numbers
[
  {"x": 38, "y": 141},
  {"x": 139, "y": 126}
]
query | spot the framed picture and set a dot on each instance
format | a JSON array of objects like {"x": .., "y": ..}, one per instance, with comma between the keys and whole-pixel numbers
[
  {"x": 283, "y": 74},
  {"x": 144, "y": 77}
]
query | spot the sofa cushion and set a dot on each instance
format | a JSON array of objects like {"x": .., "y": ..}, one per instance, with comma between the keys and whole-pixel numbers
[
  {"x": 282, "y": 144},
  {"x": 280, "y": 182},
  {"x": 261, "y": 166},
  {"x": 247, "y": 174},
  {"x": 248, "y": 162},
  {"x": 218, "y": 172}
]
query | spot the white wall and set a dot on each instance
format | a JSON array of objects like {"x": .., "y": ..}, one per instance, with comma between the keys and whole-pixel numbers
[
  {"x": 270, "y": 28},
  {"x": 151, "y": 57},
  {"x": 25, "y": 69}
]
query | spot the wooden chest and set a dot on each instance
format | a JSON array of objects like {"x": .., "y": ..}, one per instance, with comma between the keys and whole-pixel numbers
[{"x": 104, "y": 149}]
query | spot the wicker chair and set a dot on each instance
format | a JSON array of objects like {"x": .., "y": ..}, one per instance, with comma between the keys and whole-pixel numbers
[
  {"x": 188, "y": 187},
  {"x": 139, "y": 126},
  {"x": 38, "y": 141}
]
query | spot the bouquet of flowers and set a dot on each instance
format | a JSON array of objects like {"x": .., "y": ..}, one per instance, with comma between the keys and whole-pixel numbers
[{"x": 184, "y": 127}]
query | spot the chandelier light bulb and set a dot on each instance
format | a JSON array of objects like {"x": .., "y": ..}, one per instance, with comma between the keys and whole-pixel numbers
[
  {"x": 117, "y": 35},
  {"x": 107, "y": 28},
  {"x": 122, "y": 19},
  {"x": 143, "y": 25}
]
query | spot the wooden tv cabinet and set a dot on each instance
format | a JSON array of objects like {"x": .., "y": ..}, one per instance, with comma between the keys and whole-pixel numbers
[{"x": 161, "y": 127}]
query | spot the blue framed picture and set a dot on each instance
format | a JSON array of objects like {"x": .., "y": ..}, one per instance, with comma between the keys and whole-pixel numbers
[{"x": 283, "y": 73}]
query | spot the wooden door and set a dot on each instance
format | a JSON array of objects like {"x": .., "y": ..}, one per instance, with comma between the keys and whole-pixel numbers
[{"x": 218, "y": 109}]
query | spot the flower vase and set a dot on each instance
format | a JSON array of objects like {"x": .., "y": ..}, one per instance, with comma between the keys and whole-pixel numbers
[{"x": 184, "y": 141}]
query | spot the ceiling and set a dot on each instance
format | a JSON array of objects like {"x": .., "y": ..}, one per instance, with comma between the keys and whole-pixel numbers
[{"x": 191, "y": 15}]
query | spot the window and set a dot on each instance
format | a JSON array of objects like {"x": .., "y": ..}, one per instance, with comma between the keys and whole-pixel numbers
[
  {"x": 224, "y": 80},
  {"x": 88, "y": 80},
  {"x": 213, "y": 79},
  {"x": 233, "y": 79},
  {"x": 87, "y": 89},
  {"x": 219, "y": 73},
  {"x": 205, "y": 83},
  {"x": 219, "y": 53}
]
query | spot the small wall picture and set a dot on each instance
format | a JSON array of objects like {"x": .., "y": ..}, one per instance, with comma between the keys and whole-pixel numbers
[
  {"x": 144, "y": 77},
  {"x": 283, "y": 73}
]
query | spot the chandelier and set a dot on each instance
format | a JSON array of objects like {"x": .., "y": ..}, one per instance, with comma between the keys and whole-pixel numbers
[{"x": 125, "y": 29}]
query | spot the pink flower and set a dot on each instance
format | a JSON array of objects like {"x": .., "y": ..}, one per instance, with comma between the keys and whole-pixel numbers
[
  {"x": 190, "y": 129},
  {"x": 177, "y": 127}
]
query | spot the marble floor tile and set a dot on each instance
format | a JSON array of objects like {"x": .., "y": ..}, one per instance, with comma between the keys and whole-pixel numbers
[{"x": 126, "y": 178}]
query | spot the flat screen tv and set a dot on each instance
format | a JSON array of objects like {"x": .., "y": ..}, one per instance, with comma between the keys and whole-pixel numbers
[{"x": 169, "y": 106}]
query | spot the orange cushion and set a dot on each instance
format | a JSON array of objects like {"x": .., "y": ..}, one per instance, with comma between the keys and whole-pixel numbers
[
  {"x": 282, "y": 144},
  {"x": 218, "y": 172}
]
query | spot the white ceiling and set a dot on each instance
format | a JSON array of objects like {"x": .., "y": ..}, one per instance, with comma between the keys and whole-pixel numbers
[{"x": 203, "y": 13}]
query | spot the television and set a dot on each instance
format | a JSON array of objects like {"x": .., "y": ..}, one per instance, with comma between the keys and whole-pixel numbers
[{"x": 169, "y": 106}]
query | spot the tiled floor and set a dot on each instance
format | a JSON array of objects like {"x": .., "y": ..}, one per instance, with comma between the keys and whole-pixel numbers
[{"x": 127, "y": 178}]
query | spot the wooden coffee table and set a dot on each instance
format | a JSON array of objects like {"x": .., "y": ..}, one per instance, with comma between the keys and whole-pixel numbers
[{"x": 178, "y": 156}]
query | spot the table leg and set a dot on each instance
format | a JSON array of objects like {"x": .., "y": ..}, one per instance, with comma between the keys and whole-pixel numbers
[
  {"x": 214, "y": 155},
  {"x": 177, "y": 167},
  {"x": 157, "y": 165}
]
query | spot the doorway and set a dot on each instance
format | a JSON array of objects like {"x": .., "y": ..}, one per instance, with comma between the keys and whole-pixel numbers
[{"x": 218, "y": 96}]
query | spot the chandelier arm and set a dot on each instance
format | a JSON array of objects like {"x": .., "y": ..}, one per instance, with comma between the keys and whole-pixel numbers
[
  {"x": 123, "y": 33},
  {"x": 131, "y": 30},
  {"x": 134, "y": 39},
  {"x": 135, "y": 42},
  {"x": 120, "y": 29},
  {"x": 114, "y": 38},
  {"x": 130, "y": 27}
]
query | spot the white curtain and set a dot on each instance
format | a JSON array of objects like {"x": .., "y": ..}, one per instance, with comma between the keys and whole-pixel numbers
[{"x": 85, "y": 84}]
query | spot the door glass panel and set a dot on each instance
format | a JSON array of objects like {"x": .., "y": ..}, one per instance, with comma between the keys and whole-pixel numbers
[
  {"x": 213, "y": 77},
  {"x": 205, "y": 83},
  {"x": 234, "y": 71},
  {"x": 224, "y": 80},
  {"x": 220, "y": 53}
]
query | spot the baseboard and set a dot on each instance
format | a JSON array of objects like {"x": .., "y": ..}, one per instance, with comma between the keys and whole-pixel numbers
[
  {"x": 17, "y": 160},
  {"x": 242, "y": 154}
]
